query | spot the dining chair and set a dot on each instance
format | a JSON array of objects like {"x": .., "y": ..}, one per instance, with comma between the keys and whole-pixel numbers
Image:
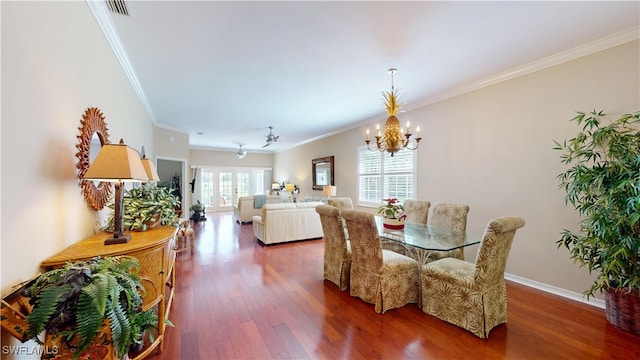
[
  {"x": 417, "y": 211},
  {"x": 342, "y": 203},
  {"x": 381, "y": 277},
  {"x": 337, "y": 250},
  {"x": 451, "y": 217},
  {"x": 472, "y": 296}
]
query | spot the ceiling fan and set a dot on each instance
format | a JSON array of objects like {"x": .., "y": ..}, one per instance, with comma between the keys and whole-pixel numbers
[
  {"x": 270, "y": 137},
  {"x": 241, "y": 153}
]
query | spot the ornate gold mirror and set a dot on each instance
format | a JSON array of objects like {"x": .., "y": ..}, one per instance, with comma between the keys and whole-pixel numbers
[
  {"x": 322, "y": 169},
  {"x": 93, "y": 135}
]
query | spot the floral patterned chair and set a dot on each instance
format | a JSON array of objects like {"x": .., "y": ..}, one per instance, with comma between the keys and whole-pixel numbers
[
  {"x": 342, "y": 203},
  {"x": 337, "y": 250},
  {"x": 381, "y": 277},
  {"x": 452, "y": 217},
  {"x": 472, "y": 295},
  {"x": 417, "y": 211}
]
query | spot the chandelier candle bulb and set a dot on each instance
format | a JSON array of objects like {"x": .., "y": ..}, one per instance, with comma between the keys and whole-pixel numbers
[{"x": 395, "y": 138}]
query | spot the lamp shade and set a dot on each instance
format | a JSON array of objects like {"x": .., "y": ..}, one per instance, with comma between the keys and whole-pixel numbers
[
  {"x": 329, "y": 190},
  {"x": 150, "y": 169},
  {"x": 275, "y": 186},
  {"x": 116, "y": 163},
  {"x": 290, "y": 187}
]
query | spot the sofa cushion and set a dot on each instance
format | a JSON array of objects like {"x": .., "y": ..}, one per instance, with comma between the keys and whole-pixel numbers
[
  {"x": 272, "y": 207},
  {"x": 306, "y": 205}
]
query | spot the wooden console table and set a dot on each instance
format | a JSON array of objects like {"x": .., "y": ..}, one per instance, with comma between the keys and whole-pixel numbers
[{"x": 154, "y": 249}]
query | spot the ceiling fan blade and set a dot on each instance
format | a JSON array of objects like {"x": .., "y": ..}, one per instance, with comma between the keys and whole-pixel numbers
[{"x": 265, "y": 145}]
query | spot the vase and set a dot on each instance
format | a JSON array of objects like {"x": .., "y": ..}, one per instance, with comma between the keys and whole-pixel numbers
[{"x": 393, "y": 224}]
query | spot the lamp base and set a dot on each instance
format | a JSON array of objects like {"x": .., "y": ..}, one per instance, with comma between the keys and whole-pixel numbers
[{"x": 125, "y": 238}]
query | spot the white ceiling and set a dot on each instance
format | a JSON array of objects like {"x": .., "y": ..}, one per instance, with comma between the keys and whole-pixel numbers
[{"x": 229, "y": 70}]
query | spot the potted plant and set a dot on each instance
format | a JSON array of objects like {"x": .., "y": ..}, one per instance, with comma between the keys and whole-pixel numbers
[
  {"x": 146, "y": 207},
  {"x": 603, "y": 184},
  {"x": 197, "y": 210},
  {"x": 392, "y": 213},
  {"x": 146, "y": 324},
  {"x": 87, "y": 307}
]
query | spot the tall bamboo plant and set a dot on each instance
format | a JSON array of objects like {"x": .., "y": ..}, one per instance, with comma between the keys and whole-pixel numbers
[{"x": 603, "y": 184}]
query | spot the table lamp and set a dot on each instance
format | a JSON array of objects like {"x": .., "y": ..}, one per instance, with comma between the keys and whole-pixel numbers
[
  {"x": 149, "y": 168},
  {"x": 117, "y": 163},
  {"x": 329, "y": 191},
  {"x": 290, "y": 188}
]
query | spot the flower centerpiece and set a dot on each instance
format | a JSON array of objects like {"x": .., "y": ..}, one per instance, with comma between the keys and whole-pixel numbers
[{"x": 392, "y": 213}]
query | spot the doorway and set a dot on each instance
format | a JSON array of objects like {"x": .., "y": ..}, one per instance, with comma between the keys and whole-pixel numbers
[
  {"x": 220, "y": 188},
  {"x": 172, "y": 173}
]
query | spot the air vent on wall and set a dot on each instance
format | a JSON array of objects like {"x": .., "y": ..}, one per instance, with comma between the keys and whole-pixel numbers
[{"x": 118, "y": 7}]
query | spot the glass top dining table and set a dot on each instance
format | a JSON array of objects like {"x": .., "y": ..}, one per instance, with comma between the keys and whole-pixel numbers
[{"x": 426, "y": 237}]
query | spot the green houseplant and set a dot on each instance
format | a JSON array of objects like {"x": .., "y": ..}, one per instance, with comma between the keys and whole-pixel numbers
[
  {"x": 392, "y": 213},
  {"x": 603, "y": 184},
  {"x": 146, "y": 324},
  {"x": 197, "y": 210},
  {"x": 147, "y": 206},
  {"x": 75, "y": 302}
]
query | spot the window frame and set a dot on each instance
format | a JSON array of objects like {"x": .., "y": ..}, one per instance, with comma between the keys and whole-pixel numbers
[{"x": 381, "y": 175}]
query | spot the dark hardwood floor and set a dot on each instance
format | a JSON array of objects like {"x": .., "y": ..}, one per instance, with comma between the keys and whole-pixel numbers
[{"x": 237, "y": 299}]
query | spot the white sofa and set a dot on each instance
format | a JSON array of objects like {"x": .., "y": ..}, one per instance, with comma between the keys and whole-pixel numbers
[
  {"x": 244, "y": 210},
  {"x": 285, "y": 222}
]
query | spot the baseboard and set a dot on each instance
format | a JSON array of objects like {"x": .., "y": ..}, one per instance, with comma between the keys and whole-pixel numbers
[{"x": 555, "y": 290}]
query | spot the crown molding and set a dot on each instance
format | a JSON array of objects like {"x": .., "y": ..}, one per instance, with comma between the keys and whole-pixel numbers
[
  {"x": 547, "y": 62},
  {"x": 101, "y": 14}
]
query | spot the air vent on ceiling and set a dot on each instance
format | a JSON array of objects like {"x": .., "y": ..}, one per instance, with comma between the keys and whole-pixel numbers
[{"x": 118, "y": 7}]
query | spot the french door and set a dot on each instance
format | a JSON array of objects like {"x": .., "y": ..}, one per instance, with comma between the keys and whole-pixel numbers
[
  {"x": 220, "y": 189},
  {"x": 233, "y": 184}
]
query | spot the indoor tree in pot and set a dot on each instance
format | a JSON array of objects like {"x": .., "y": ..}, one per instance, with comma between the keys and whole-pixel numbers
[{"x": 603, "y": 184}]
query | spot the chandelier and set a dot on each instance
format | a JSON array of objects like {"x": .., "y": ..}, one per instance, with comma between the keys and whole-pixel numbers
[{"x": 394, "y": 138}]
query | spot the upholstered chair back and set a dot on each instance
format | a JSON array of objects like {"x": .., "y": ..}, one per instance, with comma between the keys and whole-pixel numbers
[
  {"x": 342, "y": 203},
  {"x": 381, "y": 277},
  {"x": 493, "y": 252},
  {"x": 337, "y": 255},
  {"x": 417, "y": 211},
  {"x": 450, "y": 216},
  {"x": 366, "y": 251}
]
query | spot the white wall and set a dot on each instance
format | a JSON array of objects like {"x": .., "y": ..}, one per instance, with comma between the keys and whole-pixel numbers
[
  {"x": 55, "y": 64},
  {"x": 492, "y": 149},
  {"x": 204, "y": 158}
]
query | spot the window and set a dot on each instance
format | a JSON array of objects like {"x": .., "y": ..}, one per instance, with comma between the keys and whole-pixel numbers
[{"x": 381, "y": 176}]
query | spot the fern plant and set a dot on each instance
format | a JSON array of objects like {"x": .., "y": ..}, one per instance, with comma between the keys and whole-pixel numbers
[{"x": 74, "y": 301}]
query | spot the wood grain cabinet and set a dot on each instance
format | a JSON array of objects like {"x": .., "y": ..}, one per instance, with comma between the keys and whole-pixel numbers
[{"x": 154, "y": 249}]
